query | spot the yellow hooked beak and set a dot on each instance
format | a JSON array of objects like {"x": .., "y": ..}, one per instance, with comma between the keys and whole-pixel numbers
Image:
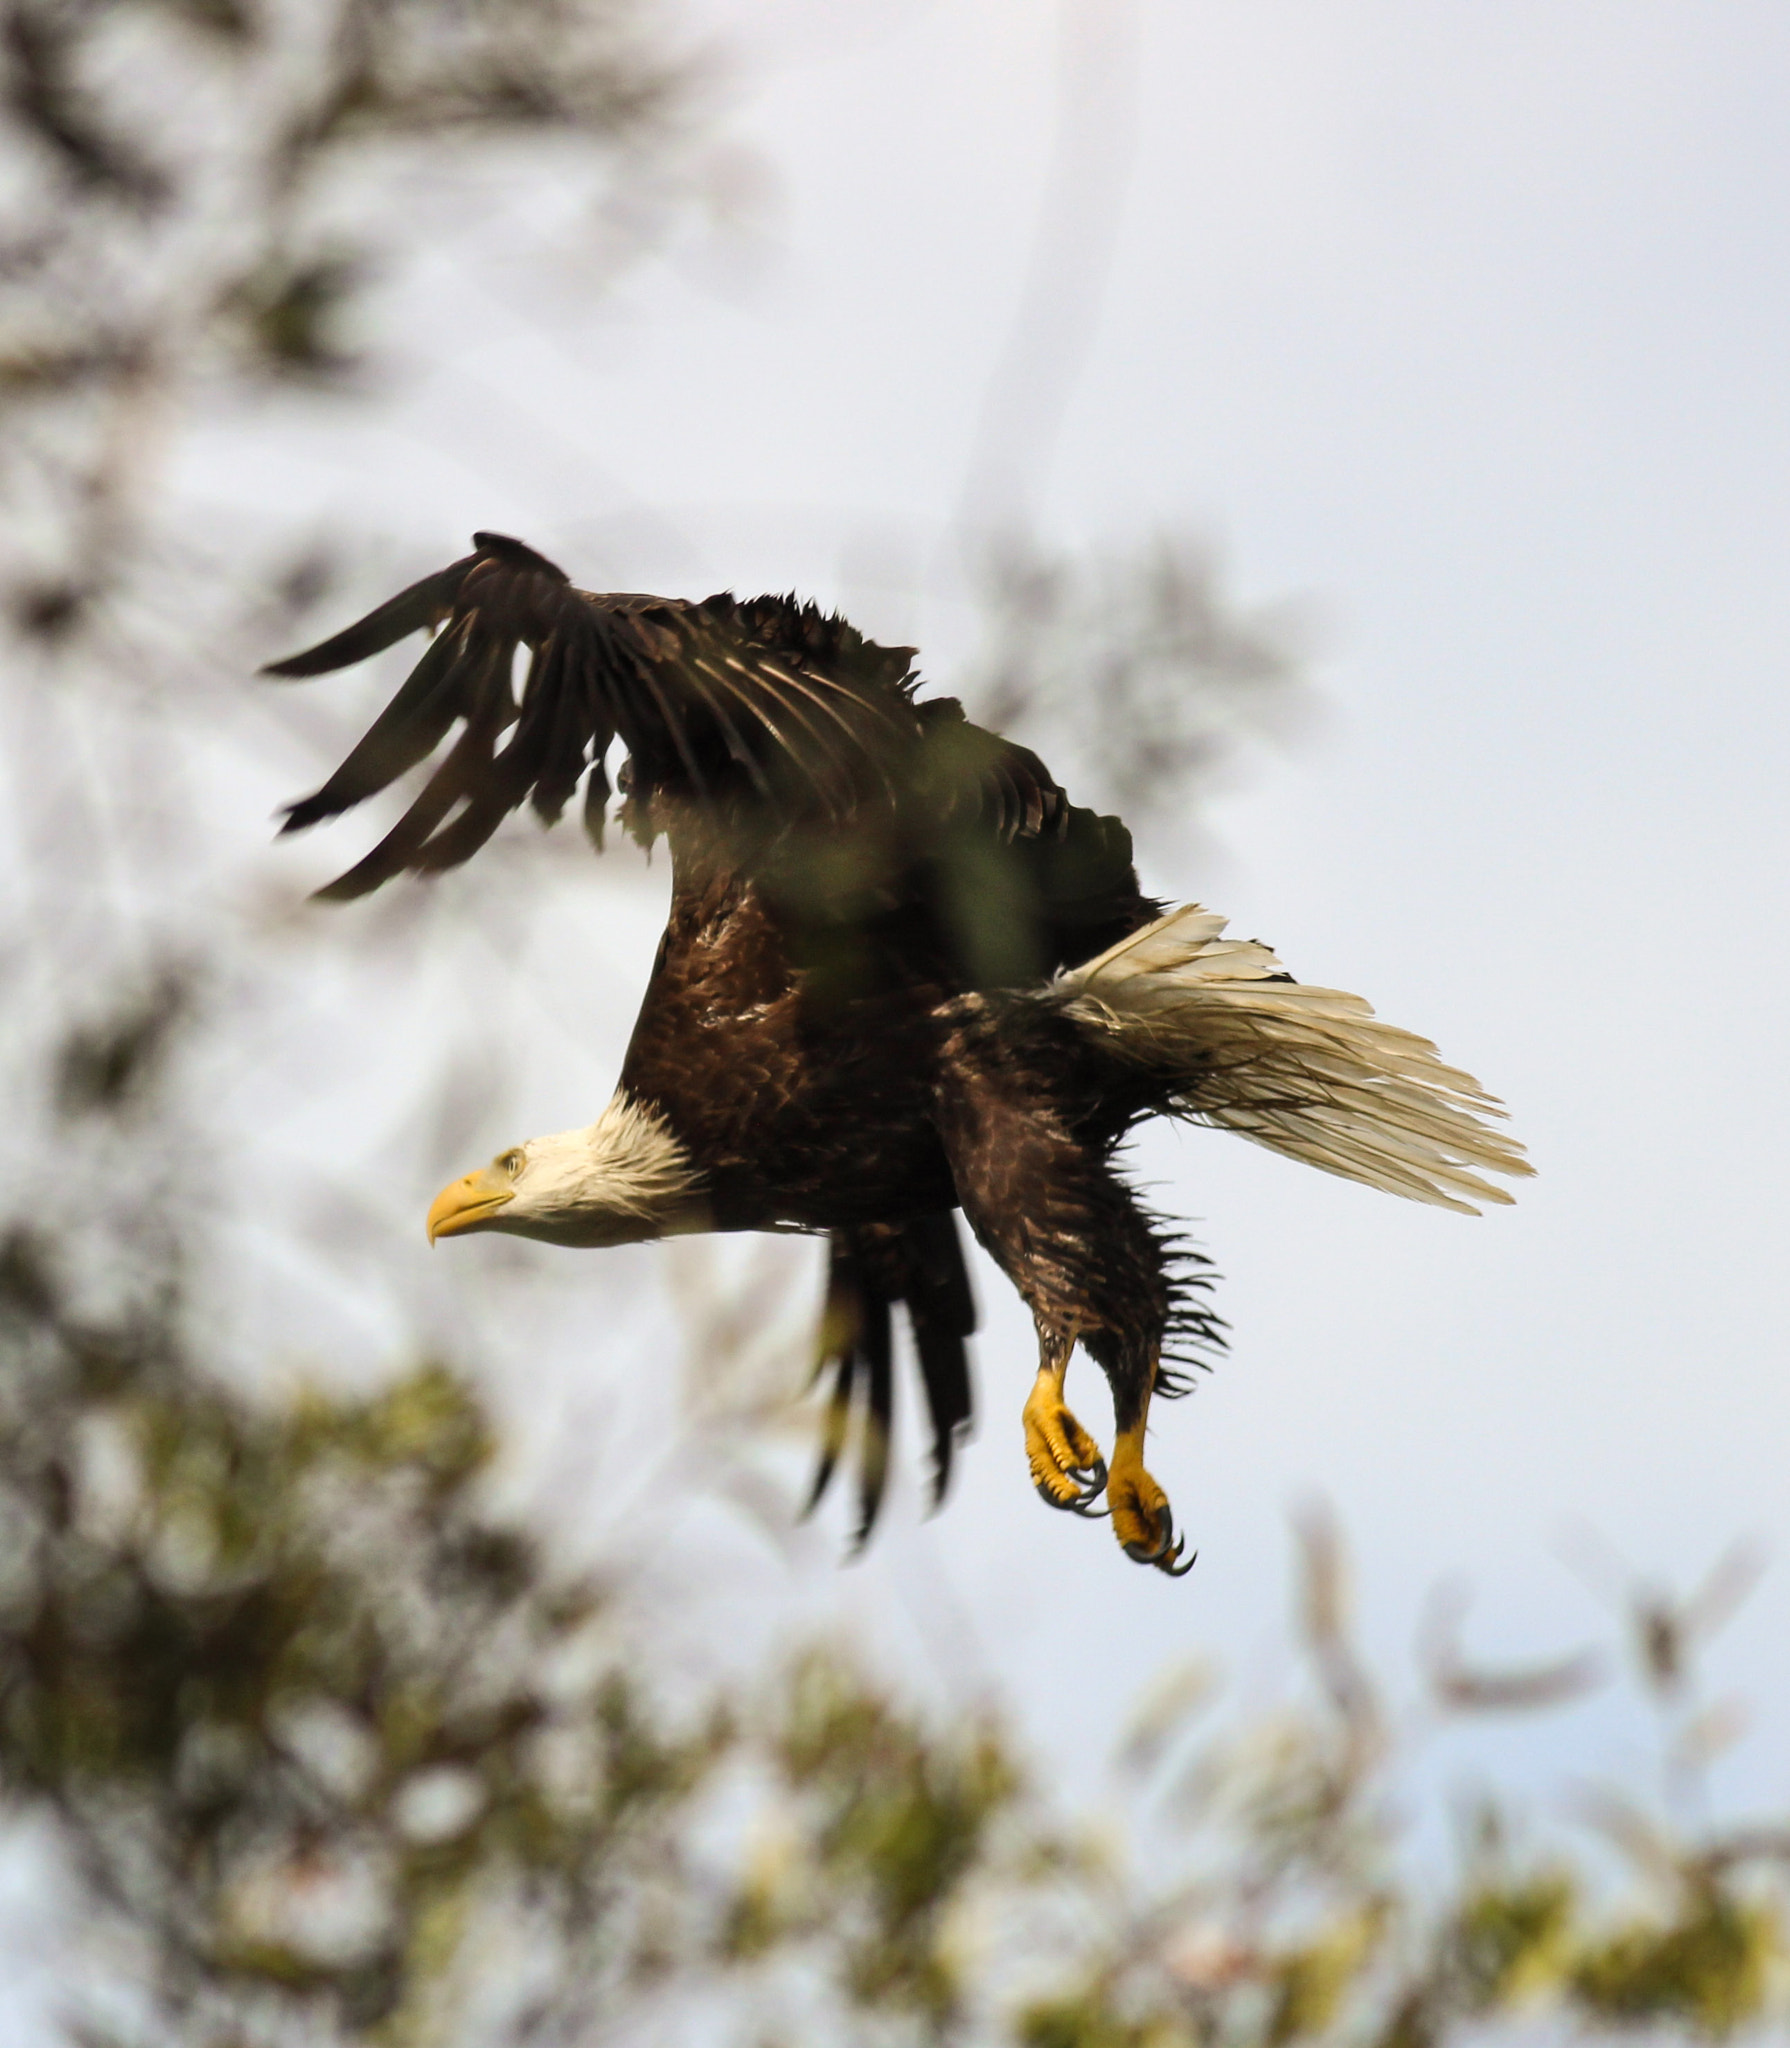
[{"x": 466, "y": 1202}]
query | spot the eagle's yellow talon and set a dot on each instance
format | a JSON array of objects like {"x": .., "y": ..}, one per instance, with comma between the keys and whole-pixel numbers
[
  {"x": 1066, "y": 1466},
  {"x": 1143, "y": 1521},
  {"x": 1138, "y": 1506}
]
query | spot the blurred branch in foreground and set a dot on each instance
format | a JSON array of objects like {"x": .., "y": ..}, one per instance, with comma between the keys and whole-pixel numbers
[
  {"x": 1308, "y": 1915},
  {"x": 199, "y": 197},
  {"x": 1154, "y": 678}
]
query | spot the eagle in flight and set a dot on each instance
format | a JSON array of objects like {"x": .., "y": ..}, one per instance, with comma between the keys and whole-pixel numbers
[{"x": 902, "y": 976}]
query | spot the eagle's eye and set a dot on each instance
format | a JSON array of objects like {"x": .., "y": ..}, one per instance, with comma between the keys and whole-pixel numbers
[{"x": 511, "y": 1162}]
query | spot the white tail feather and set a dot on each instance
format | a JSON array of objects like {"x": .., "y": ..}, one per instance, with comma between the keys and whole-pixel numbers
[{"x": 1310, "y": 1072}]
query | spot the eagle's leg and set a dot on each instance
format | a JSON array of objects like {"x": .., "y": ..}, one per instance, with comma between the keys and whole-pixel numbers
[
  {"x": 1067, "y": 1468},
  {"x": 1044, "y": 1200},
  {"x": 1143, "y": 1521}
]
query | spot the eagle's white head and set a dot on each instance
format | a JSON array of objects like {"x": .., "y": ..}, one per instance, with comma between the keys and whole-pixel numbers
[{"x": 622, "y": 1180}]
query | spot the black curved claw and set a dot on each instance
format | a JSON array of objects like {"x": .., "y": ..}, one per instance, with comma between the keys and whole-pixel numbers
[
  {"x": 1165, "y": 1536},
  {"x": 1080, "y": 1504},
  {"x": 1166, "y": 1557},
  {"x": 1093, "y": 1478}
]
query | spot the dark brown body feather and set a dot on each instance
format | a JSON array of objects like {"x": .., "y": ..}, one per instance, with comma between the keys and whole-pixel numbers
[{"x": 863, "y": 887}]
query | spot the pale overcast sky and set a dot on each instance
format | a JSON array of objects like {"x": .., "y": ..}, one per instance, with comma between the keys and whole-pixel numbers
[{"x": 1470, "y": 326}]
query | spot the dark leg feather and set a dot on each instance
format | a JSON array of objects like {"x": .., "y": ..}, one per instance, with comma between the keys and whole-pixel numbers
[
  {"x": 919, "y": 1262},
  {"x": 841, "y": 1321},
  {"x": 1039, "y": 1190},
  {"x": 878, "y": 1350},
  {"x": 943, "y": 1314}
]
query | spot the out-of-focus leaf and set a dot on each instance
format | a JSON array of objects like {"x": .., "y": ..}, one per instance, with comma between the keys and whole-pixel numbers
[
  {"x": 1310, "y": 1982},
  {"x": 1091, "y": 2021},
  {"x": 1164, "y": 1713},
  {"x": 1324, "y": 1623},
  {"x": 1511, "y": 1941},
  {"x": 106, "y": 1066},
  {"x": 232, "y": 21},
  {"x": 1709, "y": 1734},
  {"x": 293, "y": 314},
  {"x": 1710, "y": 1966}
]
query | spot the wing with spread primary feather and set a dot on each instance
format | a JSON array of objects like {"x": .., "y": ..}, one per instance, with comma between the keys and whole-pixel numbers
[{"x": 766, "y": 705}]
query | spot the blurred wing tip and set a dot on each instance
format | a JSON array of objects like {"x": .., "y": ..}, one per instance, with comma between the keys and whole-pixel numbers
[
  {"x": 350, "y": 887},
  {"x": 298, "y": 817},
  {"x": 306, "y": 663},
  {"x": 518, "y": 554}
]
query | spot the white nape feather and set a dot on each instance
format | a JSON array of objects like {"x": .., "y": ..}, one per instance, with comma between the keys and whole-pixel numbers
[
  {"x": 641, "y": 1166},
  {"x": 622, "y": 1179},
  {"x": 1310, "y": 1072}
]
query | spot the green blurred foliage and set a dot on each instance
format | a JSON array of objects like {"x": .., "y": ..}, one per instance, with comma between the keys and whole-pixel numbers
[
  {"x": 1709, "y": 1964},
  {"x": 297, "y": 1706},
  {"x": 1307, "y": 1917},
  {"x": 890, "y": 1825}
]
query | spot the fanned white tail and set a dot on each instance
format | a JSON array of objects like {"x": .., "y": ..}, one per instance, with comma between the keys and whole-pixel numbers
[{"x": 1310, "y": 1072}]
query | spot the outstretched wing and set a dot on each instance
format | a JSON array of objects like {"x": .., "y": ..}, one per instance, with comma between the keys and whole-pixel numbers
[{"x": 764, "y": 703}]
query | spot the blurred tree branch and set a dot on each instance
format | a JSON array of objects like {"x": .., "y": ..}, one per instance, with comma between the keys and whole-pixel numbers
[
  {"x": 1141, "y": 665},
  {"x": 1307, "y": 1917},
  {"x": 199, "y": 196}
]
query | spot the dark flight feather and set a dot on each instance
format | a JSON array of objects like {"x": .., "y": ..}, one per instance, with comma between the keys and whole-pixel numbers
[
  {"x": 424, "y": 604},
  {"x": 877, "y": 1348},
  {"x": 942, "y": 1312},
  {"x": 835, "y": 1427},
  {"x": 407, "y": 731}
]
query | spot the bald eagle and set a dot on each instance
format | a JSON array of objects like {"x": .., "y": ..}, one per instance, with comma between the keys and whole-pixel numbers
[{"x": 902, "y": 976}]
